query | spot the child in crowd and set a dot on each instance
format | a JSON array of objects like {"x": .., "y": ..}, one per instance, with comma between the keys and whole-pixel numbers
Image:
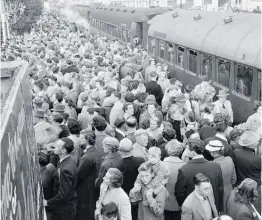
[
  {"x": 109, "y": 211},
  {"x": 160, "y": 178}
]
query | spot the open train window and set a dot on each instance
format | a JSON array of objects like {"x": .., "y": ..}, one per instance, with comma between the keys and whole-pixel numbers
[
  {"x": 161, "y": 49},
  {"x": 180, "y": 56},
  {"x": 259, "y": 84},
  {"x": 170, "y": 52},
  {"x": 243, "y": 80},
  {"x": 206, "y": 65},
  {"x": 223, "y": 72},
  {"x": 192, "y": 60}
]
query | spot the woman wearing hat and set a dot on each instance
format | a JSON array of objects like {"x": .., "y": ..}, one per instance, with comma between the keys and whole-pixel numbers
[
  {"x": 163, "y": 81},
  {"x": 216, "y": 150},
  {"x": 222, "y": 105}
]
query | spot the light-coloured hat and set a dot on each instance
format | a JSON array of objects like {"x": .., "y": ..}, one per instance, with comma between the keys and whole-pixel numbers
[
  {"x": 214, "y": 145},
  {"x": 222, "y": 93},
  {"x": 248, "y": 138}
]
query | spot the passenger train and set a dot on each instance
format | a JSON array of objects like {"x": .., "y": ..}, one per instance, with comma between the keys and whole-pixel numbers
[{"x": 226, "y": 46}]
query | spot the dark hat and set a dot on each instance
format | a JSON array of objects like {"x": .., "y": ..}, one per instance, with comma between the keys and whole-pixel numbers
[{"x": 59, "y": 108}]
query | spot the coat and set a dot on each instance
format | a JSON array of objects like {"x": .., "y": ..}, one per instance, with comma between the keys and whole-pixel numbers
[
  {"x": 116, "y": 112},
  {"x": 218, "y": 108},
  {"x": 229, "y": 175},
  {"x": 112, "y": 160},
  {"x": 130, "y": 172},
  {"x": 121, "y": 199},
  {"x": 247, "y": 164},
  {"x": 66, "y": 194},
  {"x": 139, "y": 151},
  {"x": 240, "y": 211},
  {"x": 193, "y": 210},
  {"x": 49, "y": 177},
  {"x": 173, "y": 164},
  {"x": 86, "y": 176},
  {"x": 152, "y": 88},
  {"x": 185, "y": 180}
]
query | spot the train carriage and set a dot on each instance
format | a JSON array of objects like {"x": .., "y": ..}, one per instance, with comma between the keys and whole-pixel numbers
[
  {"x": 225, "y": 46},
  {"x": 122, "y": 23}
]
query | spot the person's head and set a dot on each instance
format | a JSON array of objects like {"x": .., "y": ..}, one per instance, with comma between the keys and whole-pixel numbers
[
  {"x": 174, "y": 148},
  {"x": 162, "y": 75},
  {"x": 220, "y": 123},
  {"x": 59, "y": 97},
  {"x": 129, "y": 109},
  {"x": 205, "y": 80},
  {"x": 202, "y": 184},
  {"x": 113, "y": 178},
  {"x": 52, "y": 80},
  {"x": 116, "y": 96},
  {"x": 216, "y": 148},
  {"x": 131, "y": 122},
  {"x": 169, "y": 134},
  {"x": 129, "y": 97},
  {"x": 125, "y": 146},
  {"x": 99, "y": 123},
  {"x": 73, "y": 126},
  {"x": 146, "y": 173},
  {"x": 246, "y": 192},
  {"x": 151, "y": 107},
  {"x": 234, "y": 135},
  {"x": 109, "y": 211},
  {"x": 209, "y": 108},
  {"x": 63, "y": 147},
  {"x": 152, "y": 62},
  {"x": 196, "y": 146},
  {"x": 38, "y": 87},
  {"x": 222, "y": 96},
  {"x": 100, "y": 84},
  {"x": 176, "y": 112},
  {"x": 110, "y": 145},
  {"x": 189, "y": 88},
  {"x": 43, "y": 158},
  {"x": 88, "y": 138},
  {"x": 192, "y": 134},
  {"x": 57, "y": 118},
  {"x": 153, "y": 123},
  {"x": 154, "y": 155},
  {"x": 141, "y": 137},
  {"x": 153, "y": 75}
]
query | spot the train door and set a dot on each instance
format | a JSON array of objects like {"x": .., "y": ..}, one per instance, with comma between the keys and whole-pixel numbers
[{"x": 136, "y": 34}]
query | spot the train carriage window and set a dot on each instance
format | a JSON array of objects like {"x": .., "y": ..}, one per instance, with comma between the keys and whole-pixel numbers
[
  {"x": 192, "y": 61},
  {"x": 152, "y": 46},
  {"x": 259, "y": 85},
  {"x": 223, "y": 71},
  {"x": 244, "y": 78},
  {"x": 206, "y": 65},
  {"x": 161, "y": 51},
  {"x": 170, "y": 53},
  {"x": 180, "y": 56}
]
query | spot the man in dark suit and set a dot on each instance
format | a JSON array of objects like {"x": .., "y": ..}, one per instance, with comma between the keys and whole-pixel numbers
[
  {"x": 185, "y": 180},
  {"x": 120, "y": 129},
  {"x": 130, "y": 167},
  {"x": 86, "y": 176},
  {"x": 64, "y": 202},
  {"x": 153, "y": 88}
]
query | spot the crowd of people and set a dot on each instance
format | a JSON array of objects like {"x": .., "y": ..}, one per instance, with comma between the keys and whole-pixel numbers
[{"x": 119, "y": 139}]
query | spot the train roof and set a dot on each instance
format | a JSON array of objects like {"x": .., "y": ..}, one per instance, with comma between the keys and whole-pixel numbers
[
  {"x": 238, "y": 39},
  {"x": 124, "y": 16}
]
